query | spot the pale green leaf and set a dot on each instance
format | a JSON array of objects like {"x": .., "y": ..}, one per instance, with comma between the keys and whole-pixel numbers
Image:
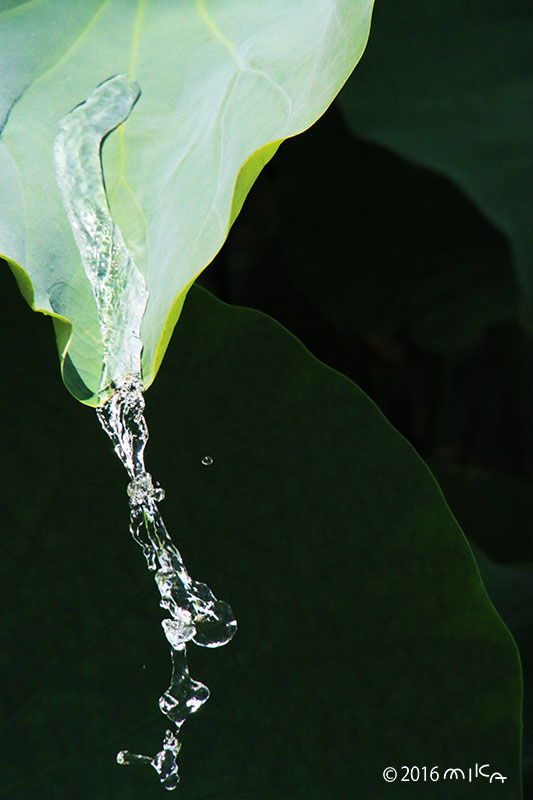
[{"x": 223, "y": 83}]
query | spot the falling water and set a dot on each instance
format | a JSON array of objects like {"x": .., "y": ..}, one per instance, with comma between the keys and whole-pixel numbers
[
  {"x": 120, "y": 293},
  {"x": 194, "y": 612}
]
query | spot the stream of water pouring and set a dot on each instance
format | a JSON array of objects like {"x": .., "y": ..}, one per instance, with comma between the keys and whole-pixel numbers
[
  {"x": 195, "y": 613},
  {"x": 121, "y": 295},
  {"x": 118, "y": 286}
]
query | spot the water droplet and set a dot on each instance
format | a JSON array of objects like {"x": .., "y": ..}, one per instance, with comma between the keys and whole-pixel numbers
[
  {"x": 159, "y": 493},
  {"x": 207, "y": 461}
]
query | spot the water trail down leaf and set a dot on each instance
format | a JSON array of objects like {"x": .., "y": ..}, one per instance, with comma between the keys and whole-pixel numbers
[
  {"x": 121, "y": 296},
  {"x": 118, "y": 286},
  {"x": 195, "y": 613}
]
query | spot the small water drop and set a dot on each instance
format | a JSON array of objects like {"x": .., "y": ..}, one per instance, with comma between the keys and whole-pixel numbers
[
  {"x": 126, "y": 759},
  {"x": 207, "y": 461}
]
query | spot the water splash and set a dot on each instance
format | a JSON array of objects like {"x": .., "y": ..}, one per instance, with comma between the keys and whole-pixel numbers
[
  {"x": 117, "y": 284},
  {"x": 195, "y": 614}
]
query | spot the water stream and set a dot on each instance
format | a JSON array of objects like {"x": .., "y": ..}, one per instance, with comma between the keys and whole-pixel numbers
[
  {"x": 194, "y": 613},
  {"x": 118, "y": 286}
]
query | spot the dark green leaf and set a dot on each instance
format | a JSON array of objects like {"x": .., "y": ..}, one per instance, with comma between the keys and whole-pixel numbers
[{"x": 496, "y": 511}]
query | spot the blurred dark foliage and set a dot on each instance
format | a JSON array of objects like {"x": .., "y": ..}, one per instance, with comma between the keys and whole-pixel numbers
[{"x": 388, "y": 273}]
